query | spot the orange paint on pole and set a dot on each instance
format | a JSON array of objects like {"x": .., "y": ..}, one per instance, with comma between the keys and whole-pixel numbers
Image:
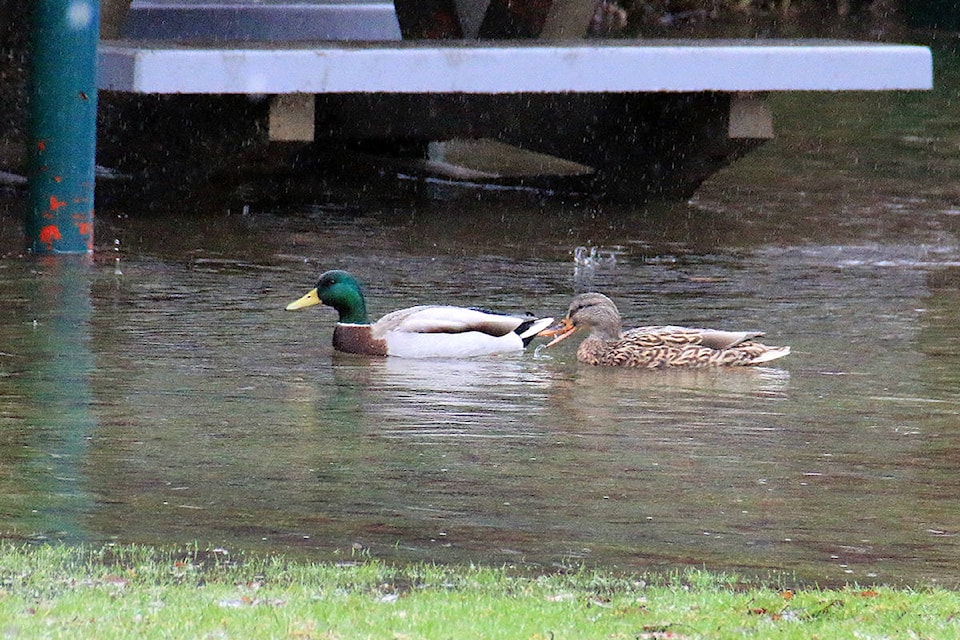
[
  {"x": 56, "y": 204},
  {"x": 85, "y": 228},
  {"x": 49, "y": 234}
]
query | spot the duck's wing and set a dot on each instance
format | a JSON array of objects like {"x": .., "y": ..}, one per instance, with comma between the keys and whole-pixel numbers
[
  {"x": 658, "y": 347},
  {"x": 449, "y": 319},
  {"x": 681, "y": 336}
]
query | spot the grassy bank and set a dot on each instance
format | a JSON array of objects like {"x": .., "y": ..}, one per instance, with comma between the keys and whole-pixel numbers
[{"x": 127, "y": 592}]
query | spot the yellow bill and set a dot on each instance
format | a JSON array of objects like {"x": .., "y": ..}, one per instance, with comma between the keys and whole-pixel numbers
[{"x": 308, "y": 300}]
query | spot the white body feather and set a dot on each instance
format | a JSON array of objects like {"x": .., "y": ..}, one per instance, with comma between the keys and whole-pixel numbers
[
  {"x": 434, "y": 331},
  {"x": 450, "y": 345}
]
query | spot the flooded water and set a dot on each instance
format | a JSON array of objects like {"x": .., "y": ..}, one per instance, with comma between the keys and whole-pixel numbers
[{"x": 170, "y": 398}]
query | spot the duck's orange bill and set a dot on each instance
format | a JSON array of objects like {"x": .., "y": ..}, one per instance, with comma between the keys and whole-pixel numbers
[{"x": 563, "y": 329}]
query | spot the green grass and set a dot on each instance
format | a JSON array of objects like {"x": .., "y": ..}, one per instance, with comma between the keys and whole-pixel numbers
[{"x": 134, "y": 592}]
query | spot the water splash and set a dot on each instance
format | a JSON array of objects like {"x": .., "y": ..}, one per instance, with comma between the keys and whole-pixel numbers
[
  {"x": 593, "y": 257},
  {"x": 116, "y": 260},
  {"x": 588, "y": 261},
  {"x": 539, "y": 353}
]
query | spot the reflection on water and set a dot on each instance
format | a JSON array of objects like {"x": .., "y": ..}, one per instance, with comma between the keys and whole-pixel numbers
[
  {"x": 50, "y": 364},
  {"x": 177, "y": 401}
]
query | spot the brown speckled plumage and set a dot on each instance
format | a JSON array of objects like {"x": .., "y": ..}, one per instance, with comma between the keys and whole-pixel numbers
[{"x": 656, "y": 347}]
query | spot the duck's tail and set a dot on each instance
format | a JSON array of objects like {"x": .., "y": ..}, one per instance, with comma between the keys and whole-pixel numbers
[
  {"x": 772, "y": 353},
  {"x": 529, "y": 329}
]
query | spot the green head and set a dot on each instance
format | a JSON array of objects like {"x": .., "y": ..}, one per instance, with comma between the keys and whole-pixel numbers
[{"x": 340, "y": 290}]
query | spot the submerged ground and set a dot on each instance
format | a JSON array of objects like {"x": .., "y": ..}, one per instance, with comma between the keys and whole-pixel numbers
[{"x": 162, "y": 394}]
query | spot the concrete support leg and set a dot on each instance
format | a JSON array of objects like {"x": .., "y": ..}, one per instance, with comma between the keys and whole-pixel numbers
[
  {"x": 292, "y": 117},
  {"x": 568, "y": 19},
  {"x": 750, "y": 117}
]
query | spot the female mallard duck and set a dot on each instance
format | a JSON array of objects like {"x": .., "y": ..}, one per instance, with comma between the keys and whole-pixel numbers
[
  {"x": 654, "y": 347},
  {"x": 426, "y": 331}
]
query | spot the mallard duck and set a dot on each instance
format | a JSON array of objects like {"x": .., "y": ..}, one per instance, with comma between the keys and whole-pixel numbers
[
  {"x": 654, "y": 347},
  {"x": 426, "y": 331}
]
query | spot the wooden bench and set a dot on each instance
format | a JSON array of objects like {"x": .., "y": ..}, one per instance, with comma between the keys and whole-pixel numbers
[
  {"x": 743, "y": 68},
  {"x": 437, "y": 89}
]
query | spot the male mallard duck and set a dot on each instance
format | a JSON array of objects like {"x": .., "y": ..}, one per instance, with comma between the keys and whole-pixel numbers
[
  {"x": 654, "y": 347},
  {"x": 426, "y": 331}
]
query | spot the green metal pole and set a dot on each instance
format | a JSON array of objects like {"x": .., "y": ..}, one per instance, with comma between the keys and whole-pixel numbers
[{"x": 63, "y": 126}]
